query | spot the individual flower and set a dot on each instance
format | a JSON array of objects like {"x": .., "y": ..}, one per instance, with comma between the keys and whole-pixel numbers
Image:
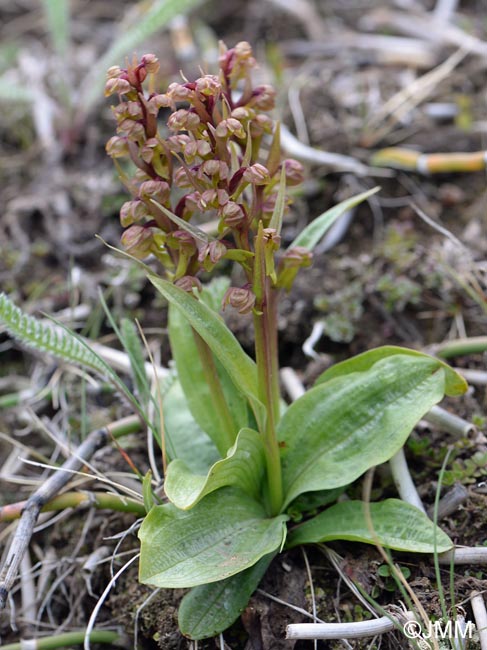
[
  {"x": 257, "y": 175},
  {"x": 137, "y": 241},
  {"x": 294, "y": 172},
  {"x": 240, "y": 298}
]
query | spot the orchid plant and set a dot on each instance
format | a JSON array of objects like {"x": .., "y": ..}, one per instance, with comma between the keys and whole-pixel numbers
[{"x": 208, "y": 184}]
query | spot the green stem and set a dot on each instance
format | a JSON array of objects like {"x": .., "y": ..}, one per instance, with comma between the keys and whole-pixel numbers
[
  {"x": 64, "y": 640},
  {"x": 460, "y": 347},
  {"x": 220, "y": 405},
  {"x": 100, "y": 500},
  {"x": 266, "y": 357}
]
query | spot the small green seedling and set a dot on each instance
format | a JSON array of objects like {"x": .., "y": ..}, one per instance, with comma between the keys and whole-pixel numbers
[{"x": 240, "y": 461}]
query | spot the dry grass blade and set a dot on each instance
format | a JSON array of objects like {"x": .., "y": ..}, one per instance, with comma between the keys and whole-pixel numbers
[{"x": 23, "y": 533}]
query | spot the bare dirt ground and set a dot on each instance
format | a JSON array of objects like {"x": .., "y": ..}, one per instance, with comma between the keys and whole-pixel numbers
[{"x": 353, "y": 77}]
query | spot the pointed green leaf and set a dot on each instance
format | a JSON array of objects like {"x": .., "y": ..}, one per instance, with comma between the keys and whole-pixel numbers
[
  {"x": 243, "y": 467},
  {"x": 395, "y": 524},
  {"x": 455, "y": 384},
  {"x": 184, "y": 439},
  {"x": 132, "y": 344},
  {"x": 193, "y": 230},
  {"x": 224, "y": 534},
  {"x": 280, "y": 206},
  {"x": 341, "y": 428},
  {"x": 192, "y": 375},
  {"x": 212, "y": 329},
  {"x": 314, "y": 232},
  {"x": 210, "y": 609}
]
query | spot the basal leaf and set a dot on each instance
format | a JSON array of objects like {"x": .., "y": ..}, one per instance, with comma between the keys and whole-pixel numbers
[
  {"x": 210, "y": 609},
  {"x": 184, "y": 439},
  {"x": 314, "y": 232},
  {"x": 455, "y": 384},
  {"x": 212, "y": 329},
  {"x": 224, "y": 534},
  {"x": 395, "y": 524},
  {"x": 192, "y": 376},
  {"x": 341, "y": 428},
  {"x": 244, "y": 467}
]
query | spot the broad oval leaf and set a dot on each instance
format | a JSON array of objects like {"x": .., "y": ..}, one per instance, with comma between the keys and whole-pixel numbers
[
  {"x": 244, "y": 467},
  {"x": 314, "y": 232},
  {"x": 192, "y": 375},
  {"x": 184, "y": 439},
  {"x": 212, "y": 329},
  {"x": 210, "y": 609},
  {"x": 339, "y": 429},
  {"x": 455, "y": 384},
  {"x": 393, "y": 524},
  {"x": 224, "y": 534}
]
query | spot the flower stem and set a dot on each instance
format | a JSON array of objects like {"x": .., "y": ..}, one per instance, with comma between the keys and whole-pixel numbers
[
  {"x": 227, "y": 424},
  {"x": 266, "y": 357}
]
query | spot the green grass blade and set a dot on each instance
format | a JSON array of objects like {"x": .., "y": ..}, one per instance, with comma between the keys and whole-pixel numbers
[
  {"x": 157, "y": 16},
  {"x": 57, "y": 14}
]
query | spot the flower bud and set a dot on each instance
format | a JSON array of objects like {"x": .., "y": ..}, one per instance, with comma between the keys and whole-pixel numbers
[
  {"x": 294, "y": 171},
  {"x": 117, "y": 147},
  {"x": 128, "y": 110},
  {"x": 117, "y": 85},
  {"x": 157, "y": 102},
  {"x": 132, "y": 211},
  {"x": 178, "y": 143},
  {"x": 208, "y": 85},
  {"x": 133, "y": 130},
  {"x": 188, "y": 283},
  {"x": 151, "y": 63},
  {"x": 210, "y": 254},
  {"x": 179, "y": 92},
  {"x": 257, "y": 174},
  {"x": 263, "y": 98},
  {"x": 183, "y": 120},
  {"x": 232, "y": 214},
  {"x": 157, "y": 190},
  {"x": 114, "y": 72},
  {"x": 212, "y": 199},
  {"x": 243, "y": 51},
  {"x": 216, "y": 168},
  {"x": 261, "y": 124},
  {"x": 181, "y": 178},
  {"x": 230, "y": 127},
  {"x": 149, "y": 149},
  {"x": 293, "y": 260},
  {"x": 182, "y": 241},
  {"x": 195, "y": 148},
  {"x": 137, "y": 241},
  {"x": 243, "y": 113},
  {"x": 240, "y": 298}
]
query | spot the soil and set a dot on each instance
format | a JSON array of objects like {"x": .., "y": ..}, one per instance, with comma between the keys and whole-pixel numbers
[{"x": 391, "y": 278}]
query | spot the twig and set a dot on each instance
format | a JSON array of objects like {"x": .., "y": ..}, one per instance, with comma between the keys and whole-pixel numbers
[
  {"x": 450, "y": 502},
  {"x": 403, "y": 481},
  {"x": 480, "y": 614},
  {"x": 473, "y": 376},
  {"x": 465, "y": 555},
  {"x": 336, "y": 162},
  {"x": 355, "y": 630},
  {"x": 292, "y": 383},
  {"x": 23, "y": 533},
  {"x": 449, "y": 422},
  {"x": 426, "y": 26}
]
